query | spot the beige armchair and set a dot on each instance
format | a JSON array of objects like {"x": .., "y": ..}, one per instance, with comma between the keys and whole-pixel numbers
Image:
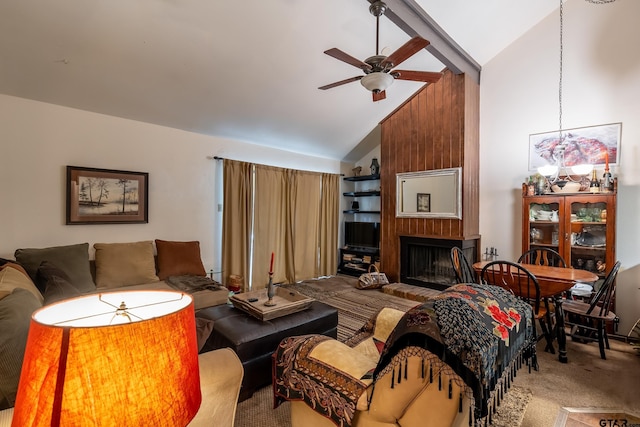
[
  {"x": 446, "y": 362},
  {"x": 414, "y": 401},
  {"x": 220, "y": 379}
]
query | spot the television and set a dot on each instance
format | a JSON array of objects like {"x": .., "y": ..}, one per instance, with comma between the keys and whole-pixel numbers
[{"x": 362, "y": 234}]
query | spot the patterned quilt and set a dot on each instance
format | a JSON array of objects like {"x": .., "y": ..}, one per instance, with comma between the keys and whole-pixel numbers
[
  {"x": 497, "y": 338},
  {"x": 482, "y": 332}
]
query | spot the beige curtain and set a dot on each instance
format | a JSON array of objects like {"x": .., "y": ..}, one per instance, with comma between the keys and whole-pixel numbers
[
  {"x": 328, "y": 225},
  {"x": 291, "y": 214},
  {"x": 304, "y": 233},
  {"x": 236, "y": 219},
  {"x": 269, "y": 229}
]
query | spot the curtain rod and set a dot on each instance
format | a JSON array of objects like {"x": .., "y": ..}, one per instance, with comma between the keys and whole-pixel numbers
[{"x": 222, "y": 158}]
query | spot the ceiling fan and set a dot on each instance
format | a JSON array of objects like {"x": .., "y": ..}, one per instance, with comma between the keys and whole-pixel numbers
[{"x": 378, "y": 68}]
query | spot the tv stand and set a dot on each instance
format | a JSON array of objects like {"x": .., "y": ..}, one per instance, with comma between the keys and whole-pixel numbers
[{"x": 356, "y": 261}]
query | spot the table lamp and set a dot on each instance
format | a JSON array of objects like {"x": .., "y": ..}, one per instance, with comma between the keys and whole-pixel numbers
[{"x": 112, "y": 359}]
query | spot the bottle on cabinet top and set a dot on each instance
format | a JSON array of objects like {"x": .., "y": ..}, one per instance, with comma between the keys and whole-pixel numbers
[{"x": 594, "y": 186}]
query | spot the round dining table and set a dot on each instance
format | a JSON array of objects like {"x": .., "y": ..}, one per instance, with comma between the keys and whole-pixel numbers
[{"x": 554, "y": 282}]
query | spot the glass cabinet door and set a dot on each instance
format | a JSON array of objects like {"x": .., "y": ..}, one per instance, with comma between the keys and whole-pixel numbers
[
  {"x": 588, "y": 236},
  {"x": 580, "y": 227},
  {"x": 544, "y": 225}
]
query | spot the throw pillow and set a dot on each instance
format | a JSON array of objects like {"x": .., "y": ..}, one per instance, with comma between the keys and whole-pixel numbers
[
  {"x": 15, "y": 316},
  {"x": 124, "y": 264},
  {"x": 179, "y": 259},
  {"x": 12, "y": 276},
  {"x": 72, "y": 259},
  {"x": 57, "y": 285}
]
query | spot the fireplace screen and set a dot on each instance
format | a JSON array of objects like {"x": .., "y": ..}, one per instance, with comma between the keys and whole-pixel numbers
[{"x": 427, "y": 262}]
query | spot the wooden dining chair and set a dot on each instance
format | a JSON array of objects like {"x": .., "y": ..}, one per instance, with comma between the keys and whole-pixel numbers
[
  {"x": 461, "y": 266},
  {"x": 588, "y": 320},
  {"x": 542, "y": 256},
  {"x": 522, "y": 283}
]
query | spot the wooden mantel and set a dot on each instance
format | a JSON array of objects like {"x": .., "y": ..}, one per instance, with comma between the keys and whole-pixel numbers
[{"x": 435, "y": 129}]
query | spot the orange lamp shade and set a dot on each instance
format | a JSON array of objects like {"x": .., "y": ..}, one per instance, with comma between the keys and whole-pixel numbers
[{"x": 113, "y": 359}]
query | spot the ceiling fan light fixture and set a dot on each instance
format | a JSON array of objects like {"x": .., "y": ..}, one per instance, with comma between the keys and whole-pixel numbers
[{"x": 377, "y": 82}]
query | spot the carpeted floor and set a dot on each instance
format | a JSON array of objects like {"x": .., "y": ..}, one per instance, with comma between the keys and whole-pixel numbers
[
  {"x": 354, "y": 306},
  {"x": 586, "y": 381}
]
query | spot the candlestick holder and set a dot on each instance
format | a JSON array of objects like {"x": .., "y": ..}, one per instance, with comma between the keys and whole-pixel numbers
[{"x": 271, "y": 291}]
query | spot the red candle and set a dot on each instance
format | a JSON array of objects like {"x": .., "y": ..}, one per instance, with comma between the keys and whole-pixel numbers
[
  {"x": 271, "y": 265},
  {"x": 606, "y": 160}
]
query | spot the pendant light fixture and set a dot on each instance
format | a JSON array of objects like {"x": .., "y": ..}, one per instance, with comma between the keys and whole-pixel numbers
[{"x": 559, "y": 173}]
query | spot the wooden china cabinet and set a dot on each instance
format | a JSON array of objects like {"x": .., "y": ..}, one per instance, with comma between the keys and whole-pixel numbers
[{"x": 580, "y": 226}]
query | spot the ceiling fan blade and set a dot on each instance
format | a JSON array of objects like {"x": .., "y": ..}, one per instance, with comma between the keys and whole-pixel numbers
[
  {"x": 345, "y": 57},
  {"x": 379, "y": 96},
  {"x": 417, "y": 76},
  {"x": 340, "y": 83},
  {"x": 408, "y": 49}
]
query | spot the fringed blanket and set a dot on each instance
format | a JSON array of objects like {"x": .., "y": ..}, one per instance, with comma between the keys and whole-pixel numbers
[
  {"x": 328, "y": 391},
  {"x": 482, "y": 332}
]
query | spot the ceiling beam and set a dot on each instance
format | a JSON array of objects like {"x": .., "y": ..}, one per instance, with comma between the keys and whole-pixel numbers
[{"x": 413, "y": 20}]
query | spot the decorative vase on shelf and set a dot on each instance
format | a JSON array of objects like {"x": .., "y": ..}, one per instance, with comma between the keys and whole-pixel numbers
[{"x": 375, "y": 166}]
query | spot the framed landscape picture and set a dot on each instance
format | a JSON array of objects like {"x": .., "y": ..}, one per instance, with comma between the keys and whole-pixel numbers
[{"x": 105, "y": 196}]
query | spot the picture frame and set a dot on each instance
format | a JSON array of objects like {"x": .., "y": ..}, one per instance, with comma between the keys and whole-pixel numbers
[
  {"x": 595, "y": 145},
  {"x": 423, "y": 203},
  {"x": 106, "y": 196}
]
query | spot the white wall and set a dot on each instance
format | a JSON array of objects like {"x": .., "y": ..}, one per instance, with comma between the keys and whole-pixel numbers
[
  {"x": 519, "y": 96},
  {"x": 39, "y": 140}
]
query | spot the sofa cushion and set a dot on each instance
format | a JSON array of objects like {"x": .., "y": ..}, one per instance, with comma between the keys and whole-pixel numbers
[
  {"x": 72, "y": 259},
  {"x": 57, "y": 285},
  {"x": 15, "y": 316},
  {"x": 179, "y": 259},
  {"x": 124, "y": 264},
  {"x": 12, "y": 276}
]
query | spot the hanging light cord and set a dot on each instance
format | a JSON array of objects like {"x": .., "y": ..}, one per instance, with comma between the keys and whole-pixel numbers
[{"x": 560, "y": 79}]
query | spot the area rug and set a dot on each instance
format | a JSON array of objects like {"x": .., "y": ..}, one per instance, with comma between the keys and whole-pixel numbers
[
  {"x": 355, "y": 306},
  {"x": 586, "y": 417},
  {"x": 258, "y": 410}
]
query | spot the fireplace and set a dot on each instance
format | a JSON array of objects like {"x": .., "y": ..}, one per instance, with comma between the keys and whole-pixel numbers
[{"x": 426, "y": 262}]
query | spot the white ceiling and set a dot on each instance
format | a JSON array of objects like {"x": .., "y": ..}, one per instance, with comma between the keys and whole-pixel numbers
[{"x": 245, "y": 70}]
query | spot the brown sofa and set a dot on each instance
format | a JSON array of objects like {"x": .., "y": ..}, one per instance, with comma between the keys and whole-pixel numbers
[{"x": 121, "y": 266}]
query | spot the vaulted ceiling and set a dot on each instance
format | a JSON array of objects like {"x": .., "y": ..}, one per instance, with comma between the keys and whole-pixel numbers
[{"x": 245, "y": 70}]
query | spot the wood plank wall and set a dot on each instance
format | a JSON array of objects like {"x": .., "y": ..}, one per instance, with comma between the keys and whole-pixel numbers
[{"x": 435, "y": 129}]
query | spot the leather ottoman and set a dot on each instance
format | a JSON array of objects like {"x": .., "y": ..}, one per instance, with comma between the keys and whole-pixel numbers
[{"x": 254, "y": 341}]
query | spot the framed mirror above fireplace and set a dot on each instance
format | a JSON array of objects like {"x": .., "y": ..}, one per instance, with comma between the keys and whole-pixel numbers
[{"x": 429, "y": 194}]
